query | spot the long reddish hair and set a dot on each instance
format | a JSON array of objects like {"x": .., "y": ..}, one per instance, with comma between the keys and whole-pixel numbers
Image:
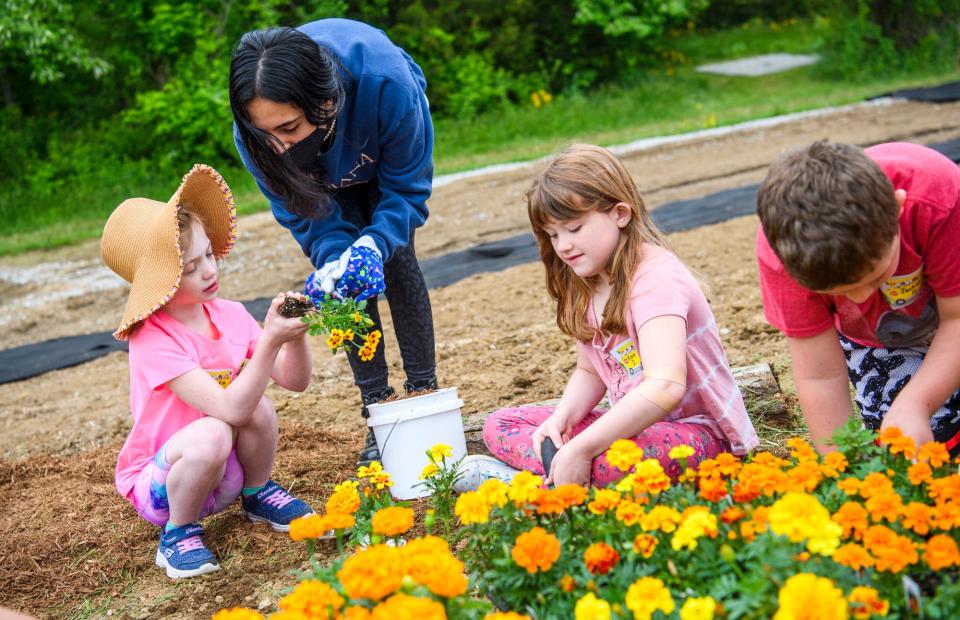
[{"x": 581, "y": 179}]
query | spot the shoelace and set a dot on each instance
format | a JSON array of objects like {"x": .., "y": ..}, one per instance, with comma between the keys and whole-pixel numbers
[
  {"x": 278, "y": 499},
  {"x": 189, "y": 544}
]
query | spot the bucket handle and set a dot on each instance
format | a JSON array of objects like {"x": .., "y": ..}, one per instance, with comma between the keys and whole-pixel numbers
[{"x": 383, "y": 448}]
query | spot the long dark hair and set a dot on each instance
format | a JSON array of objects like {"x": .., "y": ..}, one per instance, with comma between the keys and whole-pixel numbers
[{"x": 286, "y": 66}]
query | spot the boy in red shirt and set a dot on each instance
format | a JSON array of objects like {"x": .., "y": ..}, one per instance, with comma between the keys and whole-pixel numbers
[{"x": 859, "y": 258}]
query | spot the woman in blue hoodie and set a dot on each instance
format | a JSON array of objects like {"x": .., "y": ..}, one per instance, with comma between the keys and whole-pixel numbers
[{"x": 332, "y": 121}]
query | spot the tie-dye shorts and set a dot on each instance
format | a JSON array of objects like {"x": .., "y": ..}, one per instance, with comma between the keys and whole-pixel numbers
[{"x": 149, "y": 495}]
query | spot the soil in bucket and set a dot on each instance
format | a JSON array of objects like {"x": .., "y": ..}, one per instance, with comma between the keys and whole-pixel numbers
[{"x": 407, "y": 427}]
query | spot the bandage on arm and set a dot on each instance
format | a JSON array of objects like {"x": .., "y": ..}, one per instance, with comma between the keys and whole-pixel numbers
[{"x": 654, "y": 393}]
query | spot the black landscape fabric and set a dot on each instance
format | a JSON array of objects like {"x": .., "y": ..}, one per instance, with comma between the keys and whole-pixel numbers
[{"x": 33, "y": 359}]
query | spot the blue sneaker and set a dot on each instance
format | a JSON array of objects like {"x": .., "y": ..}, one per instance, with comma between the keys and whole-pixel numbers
[
  {"x": 183, "y": 554},
  {"x": 273, "y": 505}
]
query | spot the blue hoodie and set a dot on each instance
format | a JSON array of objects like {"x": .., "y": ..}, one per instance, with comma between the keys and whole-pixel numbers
[{"x": 384, "y": 132}]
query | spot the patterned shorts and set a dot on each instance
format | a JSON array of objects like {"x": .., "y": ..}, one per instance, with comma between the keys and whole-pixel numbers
[
  {"x": 149, "y": 495},
  {"x": 879, "y": 374}
]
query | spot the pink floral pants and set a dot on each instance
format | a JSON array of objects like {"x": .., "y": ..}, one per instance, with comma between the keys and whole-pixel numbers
[{"x": 508, "y": 432}]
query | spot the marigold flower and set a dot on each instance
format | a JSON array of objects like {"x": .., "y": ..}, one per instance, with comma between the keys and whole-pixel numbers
[
  {"x": 944, "y": 488},
  {"x": 311, "y": 526},
  {"x": 946, "y": 515},
  {"x": 713, "y": 488},
  {"x": 548, "y": 502},
  {"x": 373, "y": 338},
  {"x": 290, "y": 615},
  {"x": 853, "y": 518},
  {"x": 571, "y": 494},
  {"x": 919, "y": 473},
  {"x": 800, "y": 516},
  {"x": 494, "y": 492},
  {"x": 695, "y": 522},
  {"x": 834, "y": 464},
  {"x": 313, "y": 598},
  {"x": 344, "y": 500},
  {"x": 536, "y": 550},
  {"x": 852, "y": 556},
  {"x": 506, "y": 615},
  {"x": 766, "y": 459},
  {"x": 624, "y": 454},
  {"x": 645, "y": 544},
  {"x": 348, "y": 335},
  {"x": 865, "y": 602},
  {"x": 884, "y": 505},
  {"x": 649, "y": 478},
  {"x": 702, "y": 608},
  {"x": 941, "y": 552},
  {"x": 874, "y": 483},
  {"x": 934, "y": 453},
  {"x": 381, "y": 480},
  {"x": 392, "y": 521},
  {"x": 661, "y": 517},
  {"x": 604, "y": 500},
  {"x": 755, "y": 524},
  {"x": 237, "y": 613},
  {"x": 600, "y": 558},
  {"x": 850, "y": 486},
  {"x": 918, "y": 517},
  {"x": 405, "y": 607},
  {"x": 805, "y": 596},
  {"x": 429, "y": 471},
  {"x": 372, "y": 573},
  {"x": 366, "y": 471},
  {"x": 732, "y": 514},
  {"x": 805, "y": 477},
  {"x": 366, "y": 353},
  {"x": 589, "y": 607},
  {"x": 891, "y": 552},
  {"x": 680, "y": 452},
  {"x": 335, "y": 339},
  {"x": 439, "y": 571},
  {"x": 356, "y": 612},
  {"x": 357, "y": 317},
  {"x": 441, "y": 451},
  {"x": 898, "y": 443},
  {"x": 567, "y": 583},
  {"x": 524, "y": 488},
  {"x": 648, "y": 595},
  {"x": 801, "y": 450},
  {"x": 629, "y": 512},
  {"x": 471, "y": 507}
]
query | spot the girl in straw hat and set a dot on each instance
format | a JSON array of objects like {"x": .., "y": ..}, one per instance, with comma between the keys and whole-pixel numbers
[
  {"x": 203, "y": 432},
  {"x": 332, "y": 120}
]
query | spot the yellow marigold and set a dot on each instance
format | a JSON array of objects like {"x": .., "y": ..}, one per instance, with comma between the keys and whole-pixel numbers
[
  {"x": 853, "y": 518},
  {"x": 290, "y": 615},
  {"x": 493, "y": 492},
  {"x": 934, "y": 453},
  {"x": 918, "y": 517},
  {"x": 891, "y": 552},
  {"x": 645, "y": 544},
  {"x": 898, "y": 443},
  {"x": 348, "y": 335},
  {"x": 805, "y": 596},
  {"x": 356, "y": 612},
  {"x": 314, "y": 598},
  {"x": 392, "y": 521},
  {"x": 663, "y": 518},
  {"x": 571, "y": 494},
  {"x": 680, "y": 452},
  {"x": 429, "y": 471},
  {"x": 471, "y": 507},
  {"x": 357, "y": 317},
  {"x": 536, "y": 550},
  {"x": 801, "y": 450},
  {"x": 852, "y": 556},
  {"x": 237, "y": 613},
  {"x": 366, "y": 471},
  {"x": 506, "y": 615},
  {"x": 600, "y": 558},
  {"x": 834, "y": 464},
  {"x": 695, "y": 522},
  {"x": 648, "y": 595},
  {"x": 366, "y": 352},
  {"x": 650, "y": 478},
  {"x": 381, "y": 480},
  {"x": 374, "y": 337},
  {"x": 405, "y": 607},
  {"x": 524, "y": 488},
  {"x": 603, "y": 500},
  {"x": 799, "y": 517},
  {"x": 335, "y": 339},
  {"x": 629, "y": 512},
  {"x": 698, "y": 608},
  {"x": 311, "y": 526},
  {"x": 919, "y": 473},
  {"x": 865, "y": 602},
  {"x": 941, "y": 552},
  {"x": 344, "y": 500},
  {"x": 624, "y": 454},
  {"x": 589, "y": 607},
  {"x": 441, "y": 451},
  {"x": 850, "y": 486},
  {"x": 805, "y": 477},
  {"x": 373, "y": 573}
]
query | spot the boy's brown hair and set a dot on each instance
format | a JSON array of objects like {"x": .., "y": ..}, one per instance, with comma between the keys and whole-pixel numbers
[{"x": 829, "y": 213}]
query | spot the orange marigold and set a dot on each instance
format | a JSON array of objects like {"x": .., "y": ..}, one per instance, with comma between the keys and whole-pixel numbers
[
  {"x": 728, "y": 464},
  {"x": 548, "y": 502},
  {"x": 805, "y": 477},
  {"x": 834, "y": 464},
  {"x": 801, "y": 450},
  {"x": 713, "y": 488},
  {"x": 567, "y": 583},
  {"x": 850, "y": 486},
  {"x": 918, "y": 517},
  {"x": 874, "y": 483},
  {"x": 314, "y": 598},
  {"x": 853, "y": 517},
  {"x": 891, "y": 551},
  {"x": 934, "y": 453},
  {"x": 392, "y": 521},
  {"x": 941, "y": 552},
  {"x": 865, "y": 602},
  {"x": 945, "y": 488},
  {"x": 506, "y": 615},
  {"x": 884, "y": 505},
  {"x": 946, "y": 515},
  {"x": 645, "y": 544},
  {"x": 405, "y": 607},
  {"x": 571, "y": 494},
  {"x": 344, "y": 500},
  {"x": 898, "y": 443},
  {"x": 237, "y": 613},
  {"x": 356, "y": 612},
  {"x": 600, "y": 558},
  {"x": 732, "y": 514},
  {"x": 373, "y": 573},
  {"x": 311, "y": 526},
  {"x": 852, "y": 556},
  {"x": 919, "y": 473},
  {"x": 536, "y": 550},
  {"x": 629, "y": 512}
]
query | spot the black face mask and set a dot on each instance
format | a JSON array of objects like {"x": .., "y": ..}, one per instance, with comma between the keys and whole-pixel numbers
[{"x": 304, "y": 153}]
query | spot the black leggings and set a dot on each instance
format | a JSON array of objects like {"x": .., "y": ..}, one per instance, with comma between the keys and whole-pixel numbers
[{"x": 408, "y": 298}]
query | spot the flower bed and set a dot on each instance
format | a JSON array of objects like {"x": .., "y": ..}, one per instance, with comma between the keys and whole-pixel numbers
[{"x": 869, "y": 531}]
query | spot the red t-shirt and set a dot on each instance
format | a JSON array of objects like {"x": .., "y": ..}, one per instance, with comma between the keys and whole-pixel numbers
[{"x": 903, "y": 311}]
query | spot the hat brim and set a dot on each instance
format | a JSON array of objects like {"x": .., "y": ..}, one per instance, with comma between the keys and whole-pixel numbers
[{"x": 152, "y": 234}]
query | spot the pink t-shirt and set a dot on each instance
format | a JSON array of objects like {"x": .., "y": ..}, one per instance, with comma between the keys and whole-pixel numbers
[
  {"x": 662, "y": 286},
  {"x": 163, "y": 349},
  {"x": 903, "y": 312}
]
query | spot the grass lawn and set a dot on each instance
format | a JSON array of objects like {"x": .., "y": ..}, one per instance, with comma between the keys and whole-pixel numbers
[{"x": 671, "y": 99}]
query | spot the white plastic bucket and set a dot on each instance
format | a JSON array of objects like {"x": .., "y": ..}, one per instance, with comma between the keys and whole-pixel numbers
[{"x": 405, "y": 429}]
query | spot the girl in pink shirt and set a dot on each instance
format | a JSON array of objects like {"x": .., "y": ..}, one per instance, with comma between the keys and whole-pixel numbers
[
  {"x": 645, "y": 336},
  {"x": 203, "y": 433}
]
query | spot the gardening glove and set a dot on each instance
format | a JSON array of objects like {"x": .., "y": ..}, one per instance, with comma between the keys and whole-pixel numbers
[{"x": 363, "y": 276}]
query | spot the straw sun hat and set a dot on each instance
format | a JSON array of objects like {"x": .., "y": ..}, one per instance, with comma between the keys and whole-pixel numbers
[{"x": 140, "y": 241}]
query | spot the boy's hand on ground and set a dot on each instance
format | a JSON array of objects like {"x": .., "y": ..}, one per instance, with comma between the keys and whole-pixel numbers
[
  {"x": 280, "y": 329},
  {"x": 913, "y": 421},
  {"x": 570, "y": 466}
]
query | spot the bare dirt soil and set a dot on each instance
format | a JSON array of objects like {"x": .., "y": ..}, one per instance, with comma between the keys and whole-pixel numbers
[{"x": 71, "y": 547}]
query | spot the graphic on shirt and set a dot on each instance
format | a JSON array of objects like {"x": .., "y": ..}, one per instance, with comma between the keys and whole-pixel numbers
[
  {"x": 900, "y": 291},
  {"x": 223, "y": 377},
  {"x": 351, "y": 177},
  {"x": 899, "y": 329},
  {"x": 626, "y": 353}
]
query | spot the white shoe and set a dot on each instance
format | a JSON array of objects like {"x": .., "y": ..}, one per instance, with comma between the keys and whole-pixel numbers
[{"x": 475, "y": 469}]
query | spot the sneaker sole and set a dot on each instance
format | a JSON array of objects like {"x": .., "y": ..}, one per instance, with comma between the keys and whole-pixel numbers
[
  {"x": 176, "y": 573},
  {"x": 277, "y": 527}
]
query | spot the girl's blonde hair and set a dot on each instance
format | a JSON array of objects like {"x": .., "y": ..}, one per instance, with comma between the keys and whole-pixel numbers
[
  {"x": 581, "y": 179},
  {"x": 185, "y": 219}
]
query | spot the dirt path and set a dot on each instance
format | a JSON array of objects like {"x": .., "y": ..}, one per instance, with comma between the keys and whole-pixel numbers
[{"x": 65, "y": 536}]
